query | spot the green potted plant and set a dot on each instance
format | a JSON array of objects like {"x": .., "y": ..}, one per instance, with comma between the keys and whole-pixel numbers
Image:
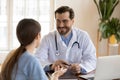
[{"x": 108, "y": 26}]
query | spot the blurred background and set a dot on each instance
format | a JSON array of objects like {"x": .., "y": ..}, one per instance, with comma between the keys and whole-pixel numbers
[{"x": 86, "y": 18}]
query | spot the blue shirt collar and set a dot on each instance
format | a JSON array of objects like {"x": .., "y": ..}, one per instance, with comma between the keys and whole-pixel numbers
[{"x": 67, "y": 39}]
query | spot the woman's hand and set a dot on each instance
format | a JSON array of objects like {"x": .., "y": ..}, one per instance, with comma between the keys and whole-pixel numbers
[{"x": 58, "y": 72}]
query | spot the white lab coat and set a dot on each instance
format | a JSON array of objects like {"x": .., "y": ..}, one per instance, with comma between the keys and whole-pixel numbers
[{"x": 85, "y": 55}]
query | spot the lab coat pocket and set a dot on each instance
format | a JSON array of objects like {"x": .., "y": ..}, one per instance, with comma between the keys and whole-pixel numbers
[{"x": 75, "y": 55}]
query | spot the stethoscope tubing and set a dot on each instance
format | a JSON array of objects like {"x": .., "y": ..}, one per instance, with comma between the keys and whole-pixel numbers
[
  {"x": 57, "y": 52},
  {"x": 76, "y": 43}
]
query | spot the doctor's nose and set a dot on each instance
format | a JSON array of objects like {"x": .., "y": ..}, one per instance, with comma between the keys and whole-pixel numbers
[{"x": 61, "y": 24}]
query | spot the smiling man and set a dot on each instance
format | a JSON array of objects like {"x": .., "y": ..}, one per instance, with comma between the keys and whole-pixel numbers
[{"x": 67, "y": 47}]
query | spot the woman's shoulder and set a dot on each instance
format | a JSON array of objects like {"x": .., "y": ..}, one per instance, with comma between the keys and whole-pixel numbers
[{"x": 28, "y": 58}]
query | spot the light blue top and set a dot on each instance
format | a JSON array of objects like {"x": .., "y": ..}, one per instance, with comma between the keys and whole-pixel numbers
[{"x": 29, "y": 68}]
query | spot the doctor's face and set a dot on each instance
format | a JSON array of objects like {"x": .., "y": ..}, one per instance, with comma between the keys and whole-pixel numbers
[{"x": 64, "y": 23}]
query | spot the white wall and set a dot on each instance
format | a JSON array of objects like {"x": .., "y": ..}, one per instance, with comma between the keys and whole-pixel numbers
[{"x": 87, "y": 18}]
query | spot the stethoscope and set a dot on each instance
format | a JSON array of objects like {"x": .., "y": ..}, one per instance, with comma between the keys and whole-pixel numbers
[{"x": 57, "y": 52}]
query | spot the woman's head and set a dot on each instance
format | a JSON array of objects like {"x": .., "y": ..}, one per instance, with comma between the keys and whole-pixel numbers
[{"x": 27, "y": 30}]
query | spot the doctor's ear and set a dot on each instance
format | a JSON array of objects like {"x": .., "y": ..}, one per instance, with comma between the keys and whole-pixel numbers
[{"x": 73, "y": 21}]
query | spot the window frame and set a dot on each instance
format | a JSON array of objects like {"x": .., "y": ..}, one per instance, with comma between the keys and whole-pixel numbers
[{"x": 9, "y": 8}]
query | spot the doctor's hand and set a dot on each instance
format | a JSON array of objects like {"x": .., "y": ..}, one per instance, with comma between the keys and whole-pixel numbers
[
  {"x": 75, "y": 68},
  {"x": 60, "y": 63}
]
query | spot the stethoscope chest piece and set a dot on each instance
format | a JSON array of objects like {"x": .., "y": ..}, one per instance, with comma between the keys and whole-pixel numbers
[{"x": 57, "y": 53}]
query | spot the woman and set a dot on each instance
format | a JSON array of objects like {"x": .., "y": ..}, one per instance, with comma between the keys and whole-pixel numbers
[{"x": 21, "y": 64}]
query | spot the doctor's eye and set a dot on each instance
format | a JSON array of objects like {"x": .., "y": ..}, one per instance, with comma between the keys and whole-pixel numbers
[{"x": 65, "y": 21}]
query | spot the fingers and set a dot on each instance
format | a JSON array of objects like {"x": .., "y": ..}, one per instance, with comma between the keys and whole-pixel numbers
[
  {"x": 62, "y": 71},
  {"x": 75, "y": 68},
  {"x": 57, "y": 68},
  {"x": 59, "y": 71},
  {"x": 60, "y": 63}
]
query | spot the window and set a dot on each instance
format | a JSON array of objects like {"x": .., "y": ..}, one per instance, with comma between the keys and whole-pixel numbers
[
  {"x": 3, "y": 26},
  {"x": 12, "y": 11}
]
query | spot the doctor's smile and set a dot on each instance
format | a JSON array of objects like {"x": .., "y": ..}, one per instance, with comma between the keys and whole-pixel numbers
[{"x": 63, "y": 30}]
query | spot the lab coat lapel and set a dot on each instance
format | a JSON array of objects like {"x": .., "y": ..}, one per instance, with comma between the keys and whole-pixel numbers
[
  {"x": 73, "y": 39},
  {"x": 59, "y": 40},
  {"x": 65, "y": 48}
]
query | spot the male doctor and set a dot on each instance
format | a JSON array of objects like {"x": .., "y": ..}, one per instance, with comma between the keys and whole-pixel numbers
[{"x": 67, "y": 47}]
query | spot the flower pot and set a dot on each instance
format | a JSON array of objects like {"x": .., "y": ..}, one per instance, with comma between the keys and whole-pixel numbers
[{"x": 112, "y": 40}]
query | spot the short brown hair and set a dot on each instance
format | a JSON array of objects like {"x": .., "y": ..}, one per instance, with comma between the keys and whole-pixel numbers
[{"x": 64, "y": 9}]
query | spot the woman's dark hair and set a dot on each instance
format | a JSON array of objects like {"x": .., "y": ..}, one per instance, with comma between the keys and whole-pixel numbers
[
  {"x": 27, "y": 30},
  {"x": 64, "y": 9}
]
